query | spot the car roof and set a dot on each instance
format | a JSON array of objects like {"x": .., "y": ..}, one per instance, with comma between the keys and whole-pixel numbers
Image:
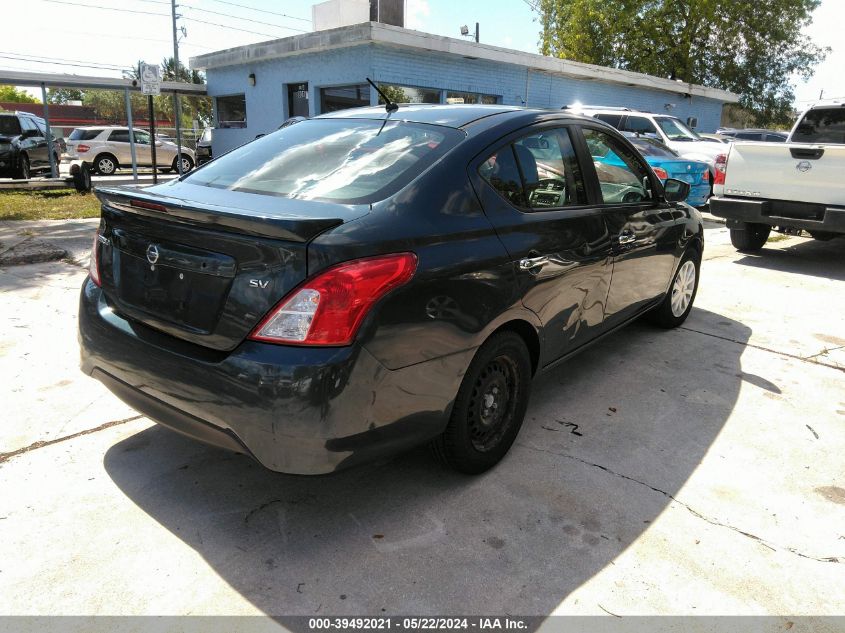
[{"x": 457, "y": 116}]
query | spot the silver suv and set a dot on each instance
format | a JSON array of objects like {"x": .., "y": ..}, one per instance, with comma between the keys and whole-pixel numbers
[{"x": 107, "y": 149}]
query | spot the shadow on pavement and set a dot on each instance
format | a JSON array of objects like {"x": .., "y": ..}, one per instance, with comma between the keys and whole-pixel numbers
[
  {"x": 810, "y": 257},
  {"x": 608, "y": 436}
]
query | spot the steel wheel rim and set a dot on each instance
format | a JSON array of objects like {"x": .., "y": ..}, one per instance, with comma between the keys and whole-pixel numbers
[
  {"x": 493, "y": 404},
  {"x": 683, "y": 288}
]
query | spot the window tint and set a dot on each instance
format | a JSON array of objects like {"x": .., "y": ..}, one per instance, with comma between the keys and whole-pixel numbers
[
  {"x": 550, "y": 171},
  {"x": 231, "y": 111},
  {"x": 501, "y": 171},
  {"x": 775, "y": 138},
  {"x": 355, "y": 161},
  {"x": 9, "y": 125},
  {"x": 119, "y": 136},
  {"x": 749, "y": 136},
  {"x": 640, "y": 125},
  {"x": 822, "y": 125},
  {"x": 611, "y": 119},
  {"x": 622, "y": 175},
  {"x": 343, "y": 97},
  {"x": 83, "y": 135}
]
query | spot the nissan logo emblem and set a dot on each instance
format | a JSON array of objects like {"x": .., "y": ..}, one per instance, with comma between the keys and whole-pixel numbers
[
  {"x": 152, "y": 253},
  {"x": 804, "y": 166}
]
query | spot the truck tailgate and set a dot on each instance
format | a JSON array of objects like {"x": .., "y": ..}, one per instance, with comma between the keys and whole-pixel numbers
[{"x": 781, "y": 171}]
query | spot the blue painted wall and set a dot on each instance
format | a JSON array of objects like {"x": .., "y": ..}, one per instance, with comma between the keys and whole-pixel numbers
[{"x": 267, "y": 107}]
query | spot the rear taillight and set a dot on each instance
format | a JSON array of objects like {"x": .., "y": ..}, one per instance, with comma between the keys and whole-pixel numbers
[
  {"x": 721, "y": 169},
  {"x": 83, "y": 148},
  {"x": 94, "y": 262},
  {"x": 706, "y": 175},
  {"x": 661, "y": 173},
  {"x": 329, "y": 308}
]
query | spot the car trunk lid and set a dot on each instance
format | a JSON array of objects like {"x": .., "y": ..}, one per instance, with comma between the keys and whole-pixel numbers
[{"x": 203, "y": 264}]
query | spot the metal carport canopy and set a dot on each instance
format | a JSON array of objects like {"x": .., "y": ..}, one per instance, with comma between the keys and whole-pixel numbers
[{"x": 62, "y": 80}]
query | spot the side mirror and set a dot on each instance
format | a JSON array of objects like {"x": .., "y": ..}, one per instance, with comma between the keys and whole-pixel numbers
[
  {"x": 675, "y": 190},
  {"x": 158, "y": 143}
]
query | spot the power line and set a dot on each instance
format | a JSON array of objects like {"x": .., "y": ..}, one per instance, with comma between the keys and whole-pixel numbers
[
  {"x": 36, "y": 61},
  {"x": 235, "y": 17},
  {"x": 243, "y": 6},
  {"x": 92, "y": 6},
  {"x": 29, "y": 57},
  {"x": 233, "y": 28}
]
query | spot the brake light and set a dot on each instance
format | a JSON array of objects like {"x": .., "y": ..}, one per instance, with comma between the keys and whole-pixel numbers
[
  {"x": 329, "y": 308},
  {"x": 721, "y": 169},
  {"x": 661, "y": 173},
  {"x": 94, "y": 261},
  {"x": 152, "y": 206},
  {"x": 83, "y": 148},
  {"x": 706, "y": 175}
]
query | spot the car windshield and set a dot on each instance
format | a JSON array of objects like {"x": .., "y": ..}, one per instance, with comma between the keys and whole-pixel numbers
[
  {"x": 676, "y": 130},
  {"x": 354, "y": 161},
  {"x": 649, "y": 147},
  {"x": 822, "y": 125},
  {"x": 9, "y": 125}
]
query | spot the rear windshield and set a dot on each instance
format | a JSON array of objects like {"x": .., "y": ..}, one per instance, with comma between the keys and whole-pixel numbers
[
  {"x": 83, "y": 135},
  {"x": 649, "y": 147},
  {"x": 9, "y": 125},
  {"x": 822, "y": 125},
  {"x": 352, "y": 161}
]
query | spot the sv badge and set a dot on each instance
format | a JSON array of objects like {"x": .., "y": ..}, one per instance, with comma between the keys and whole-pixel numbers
[{"x": 259, "y": 283}]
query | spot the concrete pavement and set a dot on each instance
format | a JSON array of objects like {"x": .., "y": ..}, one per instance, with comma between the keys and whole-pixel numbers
[{"x": 696, "y": 471}]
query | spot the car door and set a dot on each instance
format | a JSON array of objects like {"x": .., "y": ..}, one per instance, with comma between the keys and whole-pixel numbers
[
  {"x": 142, "y": 147},
  {"x": 34, "y": 143},
  {"x": 532, "y": 188},
  {"x": 644, "y": 228}
]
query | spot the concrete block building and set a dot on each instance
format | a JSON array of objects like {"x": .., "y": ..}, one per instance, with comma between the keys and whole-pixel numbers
[{"x": 257, "y": 87}]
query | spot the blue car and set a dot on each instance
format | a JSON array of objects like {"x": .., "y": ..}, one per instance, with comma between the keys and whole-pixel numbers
[{"x": 666, "y": 163}]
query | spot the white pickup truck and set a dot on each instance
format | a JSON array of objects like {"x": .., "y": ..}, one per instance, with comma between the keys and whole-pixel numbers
[{"x": 792, "y": 186}]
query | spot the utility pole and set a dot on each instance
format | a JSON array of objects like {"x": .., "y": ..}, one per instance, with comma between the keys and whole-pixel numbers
[{"x": 177, "y": 109}]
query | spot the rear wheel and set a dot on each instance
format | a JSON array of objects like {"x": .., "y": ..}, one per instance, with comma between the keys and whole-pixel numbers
[
  {"x": 187, "y": 164},
  {"x": 105, "y": 164},
  {"x": 676, "y": 306},
  {"x": 490, "y": 406},
  {"x": 750, "y": 237}
]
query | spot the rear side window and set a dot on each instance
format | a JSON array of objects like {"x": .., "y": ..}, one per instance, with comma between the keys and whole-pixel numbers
[
  {"x": 538, "y": 171},
  {"x": 83, "y": 135},
  {"x": 352, "y": 161},
  {"x": 822, "y": 125},
  {"x": 623, "y": 177},
  {"x": 611, "y": 119}
]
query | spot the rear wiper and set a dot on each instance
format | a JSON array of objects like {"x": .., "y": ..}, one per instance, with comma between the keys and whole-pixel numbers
[{"x": 388, "y": 104}]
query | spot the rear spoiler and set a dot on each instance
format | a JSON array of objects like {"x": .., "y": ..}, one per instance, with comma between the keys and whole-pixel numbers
[{"x": 286, "y": 226}]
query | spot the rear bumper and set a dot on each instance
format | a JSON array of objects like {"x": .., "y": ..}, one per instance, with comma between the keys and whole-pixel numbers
[
  {"x": 808, "y": 216},
  {"x": 294, "y": 409}
]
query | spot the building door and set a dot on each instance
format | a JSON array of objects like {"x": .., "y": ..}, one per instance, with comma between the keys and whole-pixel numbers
[{"x": 298, "y": 99}]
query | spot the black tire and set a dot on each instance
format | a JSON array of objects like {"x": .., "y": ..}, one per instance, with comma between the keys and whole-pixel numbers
[
  {"x": 82, "y": 179},
  {"x": 490, "y": 406},
  {"x": 750, "y": 237},
  {"x": 186, "y": 163},
  {"x": 105, "y": 164},
  {"x": 23, "y": 172},
  {"x": 669, "y": 313},
  {"x": 822, "y": 236}
]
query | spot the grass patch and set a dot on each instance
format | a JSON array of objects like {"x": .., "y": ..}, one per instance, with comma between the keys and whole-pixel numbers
[
  {"x": 778, "y": 237},
  {"x": 52, "y": 204}
]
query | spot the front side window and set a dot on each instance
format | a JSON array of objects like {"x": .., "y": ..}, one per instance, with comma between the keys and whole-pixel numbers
[
  {"x": 119, "y": 136},
  {"x": 350, "y": 161},
  {"x": 141, "y": 137},
  {"x": 623, "y": 177},
  {"x": 231, "y": 111},
  {"x": 539, "y": 171},
  {"x": 639, "y": 125},
  {"x": 822, "y": 125}
]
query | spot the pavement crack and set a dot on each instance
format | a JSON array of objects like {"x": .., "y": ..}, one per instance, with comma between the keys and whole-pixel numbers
[
  {"x": 4, "y": 457},
  {"x": 765, "y": 543},
  {"x": 806, "y": 359},
  {"x": 258, "y": 509}
]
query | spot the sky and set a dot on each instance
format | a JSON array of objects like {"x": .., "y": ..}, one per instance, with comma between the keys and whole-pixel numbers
[{"x": 104, "y": 37}]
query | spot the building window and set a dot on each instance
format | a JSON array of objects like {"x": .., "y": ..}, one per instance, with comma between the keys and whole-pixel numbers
[
  {"x": 406, "y": 94},
  {"x": 231, "y": 111},
  {"x": 470, "y": 97},
  {"x": 343, "y": 97}
]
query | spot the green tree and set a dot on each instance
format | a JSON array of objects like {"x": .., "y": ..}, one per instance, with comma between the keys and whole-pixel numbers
[
  {"x": 395, "y": 93},
  {"x": 751, "y": 48},
  {"x": 63, "y": 95},
  {"x": 12, "y": 94}
]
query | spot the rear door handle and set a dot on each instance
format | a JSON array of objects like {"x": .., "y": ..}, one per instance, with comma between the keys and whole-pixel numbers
[
  {"x": 626, "y": 237},
  {"x": 530, "y": 263}
]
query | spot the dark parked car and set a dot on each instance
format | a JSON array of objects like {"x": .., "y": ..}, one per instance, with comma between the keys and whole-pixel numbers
[
  {"x": 203, "y": 152},
  {"x": 23, "y": 145},
  {"x": 367, "y": 281}
]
